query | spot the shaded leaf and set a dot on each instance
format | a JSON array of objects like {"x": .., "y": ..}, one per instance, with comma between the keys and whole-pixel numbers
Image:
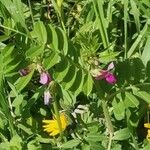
[
  {"x": 71, "y": 144},
  {"x": 122, "y": 134}
]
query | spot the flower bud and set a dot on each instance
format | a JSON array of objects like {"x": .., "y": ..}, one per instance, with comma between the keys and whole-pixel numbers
[
  {"x": 47, "y": 97},
  {"x": 45, "y": 78}
]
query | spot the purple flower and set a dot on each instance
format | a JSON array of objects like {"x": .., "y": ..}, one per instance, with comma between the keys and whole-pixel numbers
[
  {"x": 24, "y": 72},
  {"x": 45, "y": 78},
  {"x": 47, "y": 97},
  {"x": 110, "y": 78},
  {"x": 107, "y": 75}
]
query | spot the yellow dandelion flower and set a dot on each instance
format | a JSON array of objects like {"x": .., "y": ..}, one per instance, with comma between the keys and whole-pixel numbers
[
  {"x": 147, "y": 125},
  {"x": 51, "y": 126}
]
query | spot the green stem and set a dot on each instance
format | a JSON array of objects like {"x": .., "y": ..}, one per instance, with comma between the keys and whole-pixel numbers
[
  {"x": 108, "y": 123},
  {"x": 110, "y": 141},
  {"x": 57, "y": 116},
  {"x": 109, "y": 97},
  {"x": 59, "y": 12},
  {"x": 99, "y": 12},
  {"x": 31, "y": 11},
  {"x": 18, "y": 32},
  {"x": 125, "y": 27}
]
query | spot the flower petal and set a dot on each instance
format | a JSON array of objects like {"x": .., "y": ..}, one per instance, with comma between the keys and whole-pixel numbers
[
  {"x": 147, "y": 125},
  {"x": 47, "y": 97},
  {"x": 101, "y": 75},
  {"x": 45, "y": 78},
  {"x": 51, "y": 126},
  {"x": 110, "y": 78},
  {"x": 110, "y": 66}
]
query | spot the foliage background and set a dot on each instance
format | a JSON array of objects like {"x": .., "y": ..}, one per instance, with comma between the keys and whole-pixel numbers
[{"x": 68, "y": 39}]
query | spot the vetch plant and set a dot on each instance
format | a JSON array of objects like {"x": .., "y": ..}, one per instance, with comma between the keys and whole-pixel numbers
[
  {"x": 107, "y": 75},
  {"x": 79, "y": 62}
]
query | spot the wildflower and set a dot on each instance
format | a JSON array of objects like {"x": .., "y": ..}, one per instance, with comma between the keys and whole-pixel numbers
[
  {"x": 45, "y": 78},
  {"x": 110, "y": 78},
  {"x": 147, "y": 125},
  {"x": 47, "y": 97},
  {"x": 107, "y": 75},
  {"x": 24, "y": 72},
  {"x": 51, "y": 126},
  {"x": 27, "y": 70}
]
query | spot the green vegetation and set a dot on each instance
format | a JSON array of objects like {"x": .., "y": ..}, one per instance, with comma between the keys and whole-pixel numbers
[{"x": 89, "y": 59}]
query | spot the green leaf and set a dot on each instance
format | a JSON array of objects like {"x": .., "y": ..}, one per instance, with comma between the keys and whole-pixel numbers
[
  {"x": 61, "y": 70},
  {"x": 40, "y": 32},
  {"x": 54, "y": 39},
  {"x": 70, "y": 77},
  {"x": 143, "y": 95},
  {"x": 68, "y": 98},
  {"x": 78, "y": 83},
  {"x": 133, "y": 48},
  {"x": 44, "y": 140},
  {"x": 26, "y": 110},
  {"x": 17, "y": 101},
  {"x": 88, "y": 84},
  {"x": 15, "y": 142},
  {"x": 118, "y": 109},
  {"x": 13, "y": 89},
  {"x": 135, "y": 12},
  {"x": 9, "y": 63},
  {"x": 15, "y": 9},
  {"x": 122, "y": 134},
  {"x": 101, "y": 22},
  {"x": 146, "y": 55},
  {"x": 94, "y": 137},
  {"x": 71, "y": 144},
  {"x": 146, "y": 147},
  {"x": 107, "y": 56},
  {"x": 21, "y": 83},
  {"x": 51, "y": 60},
  {"x": 63, "y": 41},
  {"x": 130, "y": 100},
  {"x": 32, "y": 52},
  {"x": 96, "y": 145},
  {"x": 25, "y": 129}
]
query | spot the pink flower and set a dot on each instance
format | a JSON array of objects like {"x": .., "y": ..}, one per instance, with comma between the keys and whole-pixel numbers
[
  {"x": 107, "y": 75},
  {"x": 45, "y": 78},
  {"x": 110, "y": 78},
  {"x": 47, "y": 97}
]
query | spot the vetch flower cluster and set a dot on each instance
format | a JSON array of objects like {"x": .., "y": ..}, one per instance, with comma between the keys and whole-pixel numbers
[
  {"x": 105, "y": 74},
  {"x": 45, "y": 79}
]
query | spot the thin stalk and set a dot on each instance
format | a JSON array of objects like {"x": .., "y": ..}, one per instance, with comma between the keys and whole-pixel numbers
[
  {"x": 16, "y": 31},
  {"x": 57, "y": 116},
  {"x": 31, "y": 12},
  {"x": 148, "y": 116},
  {"x": 101, "y": 22},
  {"x": 110, "y": 141},
  {"x": 125, "y": 89},
  {"x": 108, "y": 123},
  {"x": 60, "y": 13},
  {"x": 125, "y": 27}
]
